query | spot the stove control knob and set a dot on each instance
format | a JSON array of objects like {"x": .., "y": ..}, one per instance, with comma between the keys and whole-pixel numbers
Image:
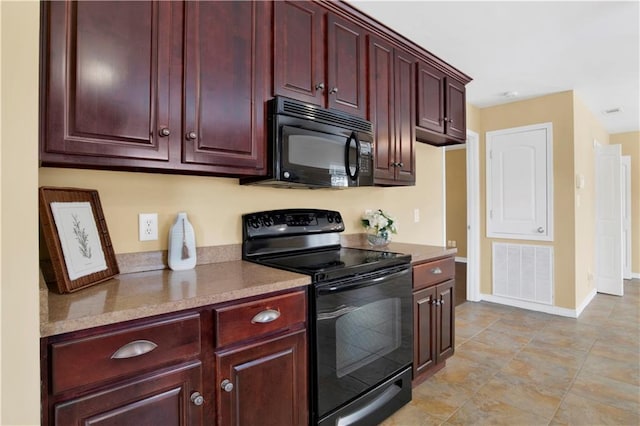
[
  {"x": 226, "y": 385},
  {"x": 267, "y": 221},
  {"x": 254, "y": 223},
  {"x": 330, "y": 218},
  {"x": 338, "y": 219}
]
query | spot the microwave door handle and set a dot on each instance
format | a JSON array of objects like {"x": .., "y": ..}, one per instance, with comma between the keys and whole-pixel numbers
[{"x": 353, "y": 136}]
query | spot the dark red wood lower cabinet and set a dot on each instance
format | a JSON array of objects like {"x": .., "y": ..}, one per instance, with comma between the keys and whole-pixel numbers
[
  {"x": 264, "y": 383},
  {"x": 164, "y": 398},
  {"x": 433, "y": 317}
]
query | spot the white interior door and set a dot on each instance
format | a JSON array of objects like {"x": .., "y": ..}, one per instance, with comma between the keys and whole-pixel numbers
[
  {"x": 609, "y": 220},
  {"x": 520, "y": 183},
  {"x": 626, "y": 217}
]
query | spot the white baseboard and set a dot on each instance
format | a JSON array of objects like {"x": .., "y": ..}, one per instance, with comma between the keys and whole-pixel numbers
[
  {"x": 635, "y": 275},
  {"x": 538, "y": 307},
  {"x": 461, "y": 259},
  {"x": 586, "y": 302}
]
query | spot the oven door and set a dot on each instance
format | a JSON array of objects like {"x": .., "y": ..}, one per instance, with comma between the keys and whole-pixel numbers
[{"x": 363, "y": 335}]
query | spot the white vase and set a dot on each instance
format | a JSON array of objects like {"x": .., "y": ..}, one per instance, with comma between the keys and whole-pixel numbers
[{"x": 182, "y": 244}]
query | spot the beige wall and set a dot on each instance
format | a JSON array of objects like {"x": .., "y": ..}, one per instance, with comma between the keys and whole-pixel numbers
[
  {"x": 473, "y": 118},
  {"x": 456, "y": 196},
  {"x": 20, "y": 369},
  {"x": 631, "y": 146},
  {"x": 557, "y": 109},
  {"x": 587, "y": 128},
  {"x": 214, "y": 205}
]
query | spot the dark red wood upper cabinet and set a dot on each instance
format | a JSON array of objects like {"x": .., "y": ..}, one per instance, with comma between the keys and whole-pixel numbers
[
  {"x": 298, "y": 70},
  {"x": 326, "y": 68},
  {"x": 346, "y": 66},
  {"x": 225, "y": 72},
  {"x": 456, "y": 125},
  {"x": 381, "y": 108},
  {"x": 106, "y": 81},
  {"x": 405, "y": 94},
  {"x": 391, "y": 86},
  {"x": 441, "y": 107},
  {"x": 176, "y": 87},
  {"x": 430, "y": 98}
]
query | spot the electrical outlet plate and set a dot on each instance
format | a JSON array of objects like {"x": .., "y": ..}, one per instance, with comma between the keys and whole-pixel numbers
[
  {"x": 148, "y": 226},
  {"x": 416, "y": 215}
]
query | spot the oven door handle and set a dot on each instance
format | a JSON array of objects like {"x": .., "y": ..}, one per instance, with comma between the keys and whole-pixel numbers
[{"x": 360, "y": 282}]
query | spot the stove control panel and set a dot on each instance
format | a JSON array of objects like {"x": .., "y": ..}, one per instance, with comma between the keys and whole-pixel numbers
[{"x": 289, "y": 222}]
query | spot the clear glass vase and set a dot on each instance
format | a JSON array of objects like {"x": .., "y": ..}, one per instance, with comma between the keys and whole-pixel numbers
[{"x": 378, "y": 238}]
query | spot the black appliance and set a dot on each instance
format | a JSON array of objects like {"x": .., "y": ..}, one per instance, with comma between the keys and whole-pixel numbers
[
  {"x": 314, "y": 147},
  {"x": 360, "y": 313}
]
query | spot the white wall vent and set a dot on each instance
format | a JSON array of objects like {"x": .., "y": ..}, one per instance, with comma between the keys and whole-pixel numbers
[{"x": 523, "y": 272}]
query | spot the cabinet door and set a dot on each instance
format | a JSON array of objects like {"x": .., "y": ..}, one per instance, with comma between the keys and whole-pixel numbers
[
  {"x": 456, "y": 125},
  {"x": 346, "y": 69},
  {"x": 266, "y": 383},
  {"x": 298, "y": 68},
  {"x": 405, "y": 118},
  {"x": 446, "y": 320},
  {"x": 381, "y": 108},
  {"x": 430, "y": 98},
  {"x": 226, "y": 64},
  {"x": 424, "y": 330},
  {"x": 105, "y": 83},
  {"x": 160, "y": 399}
]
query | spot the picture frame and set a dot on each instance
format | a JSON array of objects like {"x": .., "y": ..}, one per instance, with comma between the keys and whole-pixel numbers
[{"x": 77, "y": 239}]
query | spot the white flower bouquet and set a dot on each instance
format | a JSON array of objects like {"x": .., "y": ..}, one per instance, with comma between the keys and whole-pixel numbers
[{"x": 379, "y": 225}]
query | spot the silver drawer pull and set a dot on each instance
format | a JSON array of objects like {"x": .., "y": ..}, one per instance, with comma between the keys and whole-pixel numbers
[
  {"x": 133, "y": 349},
  {"x": 266, "y": 316},
  {"x": 436, "y": 271}
]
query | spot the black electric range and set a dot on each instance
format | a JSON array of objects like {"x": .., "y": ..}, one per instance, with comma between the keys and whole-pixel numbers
[{"x": 360, "y": 313}]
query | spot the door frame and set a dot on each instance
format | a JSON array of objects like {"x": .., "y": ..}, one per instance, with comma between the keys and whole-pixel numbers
[
  {"x": 473, "y": 216},
  {"x": 627, "y": 273}
]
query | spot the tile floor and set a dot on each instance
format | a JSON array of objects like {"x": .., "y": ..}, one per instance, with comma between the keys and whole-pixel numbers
[{"x": 518, "y": 367}]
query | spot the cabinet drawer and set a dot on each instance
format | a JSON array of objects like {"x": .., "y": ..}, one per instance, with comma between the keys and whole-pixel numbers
[
  {"x": 430, "y": 273},
  {"x": 110, "y": 355},
  {"x": 253, "y": 319}
]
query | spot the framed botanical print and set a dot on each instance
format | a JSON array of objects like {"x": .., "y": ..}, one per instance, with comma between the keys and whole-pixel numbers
[{"x": 77, "y": 239}]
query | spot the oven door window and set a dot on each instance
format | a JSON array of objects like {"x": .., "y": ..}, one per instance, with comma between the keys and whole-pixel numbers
[
  {"x": 317, "y": 156},
  {"x": 367, "y": 333},
  {"x": 363, "y": 335}
]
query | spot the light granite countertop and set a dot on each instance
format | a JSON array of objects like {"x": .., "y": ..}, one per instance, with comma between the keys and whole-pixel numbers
[{"x": 137, "y": 293}]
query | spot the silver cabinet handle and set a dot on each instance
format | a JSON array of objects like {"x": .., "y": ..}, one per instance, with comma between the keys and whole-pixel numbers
[
  {"x": 226, "y": 385},
  {"x": 133, "y": 349},
  {"x": 192, "y": 136},
  {"x": 165, "y": 131},
  {"x": 333, "y": 91},
  {"x": 265, "y": 316},
  {"x": 540, "y": 229},
  {"x": 320, "y": 86},
  {"x": 197, "y": 398},
  {"x": 436, "y": 271}
]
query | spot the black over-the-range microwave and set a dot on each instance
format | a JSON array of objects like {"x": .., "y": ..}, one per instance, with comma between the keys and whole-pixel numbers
[{"x": 314, "y": 147}]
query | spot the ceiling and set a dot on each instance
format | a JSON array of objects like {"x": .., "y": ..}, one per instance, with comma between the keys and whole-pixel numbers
[{"x": 533, "y": 48}]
